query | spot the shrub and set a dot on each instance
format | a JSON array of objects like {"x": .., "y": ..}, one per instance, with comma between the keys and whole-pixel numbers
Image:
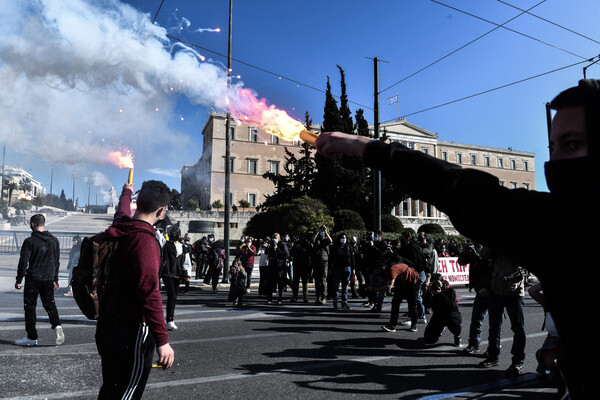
[
  {"x": 390, "y": 223},
  {"x": 431, "y": 229},
  {"x": 348, "y": 220}
]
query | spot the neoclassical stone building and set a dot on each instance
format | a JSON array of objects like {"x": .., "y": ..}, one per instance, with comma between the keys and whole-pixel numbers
[{"x": 254, "y": 152}]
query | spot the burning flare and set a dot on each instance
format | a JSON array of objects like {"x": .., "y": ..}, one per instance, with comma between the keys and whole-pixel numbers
[
  {"x": 271, "y": 119},
  {"x": 122, "y": 159}
]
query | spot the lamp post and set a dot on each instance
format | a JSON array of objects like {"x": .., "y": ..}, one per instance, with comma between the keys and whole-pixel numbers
[{"x": 227, "y": 156}]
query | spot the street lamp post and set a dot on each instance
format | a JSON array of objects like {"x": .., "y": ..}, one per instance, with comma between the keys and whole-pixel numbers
[{"x": 227, "y": 156}]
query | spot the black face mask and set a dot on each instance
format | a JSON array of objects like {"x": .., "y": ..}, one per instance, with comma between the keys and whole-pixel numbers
[{"x": 570, "y": 176}]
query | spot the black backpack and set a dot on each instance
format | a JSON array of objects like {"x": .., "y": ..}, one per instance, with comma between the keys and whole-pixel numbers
[{"x": 93, "y": 271}]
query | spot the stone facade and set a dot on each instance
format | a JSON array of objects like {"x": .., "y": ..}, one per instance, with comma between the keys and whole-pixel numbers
[{"x": 254, "y": 152}]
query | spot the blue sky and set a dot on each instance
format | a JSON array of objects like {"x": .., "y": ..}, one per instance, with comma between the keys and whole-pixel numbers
[{"x": 433, "y": 55}]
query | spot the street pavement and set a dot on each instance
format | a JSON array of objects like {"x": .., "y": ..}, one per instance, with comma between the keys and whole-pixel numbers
[{"x": 291, "y": 350}]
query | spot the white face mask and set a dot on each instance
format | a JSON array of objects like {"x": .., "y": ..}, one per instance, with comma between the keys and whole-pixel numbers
[
  {"x": 275, "y": 241},
  {"x": 342, "y": 241}
]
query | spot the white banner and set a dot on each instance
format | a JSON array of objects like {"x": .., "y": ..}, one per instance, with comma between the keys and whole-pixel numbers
[{"x": 453, "y": 272}]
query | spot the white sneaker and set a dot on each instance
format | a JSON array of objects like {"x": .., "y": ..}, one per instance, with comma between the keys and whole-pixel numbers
[
  {"x": 60, "y": 336},
  {"x": 26, "y": 342},
  {"x": 171, "y": 326}
]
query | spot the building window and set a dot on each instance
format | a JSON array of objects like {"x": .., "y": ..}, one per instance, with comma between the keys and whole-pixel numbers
[
  {"x": 232, "y": 132},
  {"x": 486, "y": 161},
  {"x": 274, "y": 139},
  {"x": 444, "y": 155},
  {"x": 473, "y": 159},
  {"x": 253, "y": 134},
  {"x": 252, "y": 199},
  {"x": 513, "y": 164},
  {"x": 513, "y": 185},
  {"x": 274, "y": 167},
  {"x": 525, "y": 165},
  {"x": 425, "y": 150},
  {"x": 526, "y": 185},
  {"x": 231, "y": 163},
  {"x": 252, "y": 166},
  {"x": 500, "y": 163},
  {"x": 459, "y": 158}
]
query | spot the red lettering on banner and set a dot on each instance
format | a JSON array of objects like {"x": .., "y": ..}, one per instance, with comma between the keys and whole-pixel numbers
[{"x": 442, "y": 267}]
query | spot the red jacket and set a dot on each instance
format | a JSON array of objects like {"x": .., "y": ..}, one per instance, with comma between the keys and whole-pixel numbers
[{"x": 139, "y": 262}]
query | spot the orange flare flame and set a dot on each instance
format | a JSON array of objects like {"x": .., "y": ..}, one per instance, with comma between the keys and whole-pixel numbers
[
  {"x": 272, "y": 120},
  {"x": 122, "y": 159}
]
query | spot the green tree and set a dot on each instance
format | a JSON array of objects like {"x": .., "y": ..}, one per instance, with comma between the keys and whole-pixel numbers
[
  {"x": 217, "y": 204},
  {"x": 244, "y": 204},
  {"x": 302, "y": 216},
  {"x": 11, "y": 187}
]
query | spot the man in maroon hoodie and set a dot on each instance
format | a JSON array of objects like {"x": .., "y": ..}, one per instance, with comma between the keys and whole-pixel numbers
[{"x": 131, "y": 322}]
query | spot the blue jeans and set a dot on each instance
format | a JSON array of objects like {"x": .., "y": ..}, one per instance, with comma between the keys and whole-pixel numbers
[
  {"x": 420, "y": 308},
  {"x": 514, "y": 309},
  {"x": 480, "y": 311},
  {"x": 340, "y": 275}
]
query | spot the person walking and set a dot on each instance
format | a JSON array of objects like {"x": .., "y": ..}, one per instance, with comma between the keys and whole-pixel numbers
[{"x": 38, "y": 264}]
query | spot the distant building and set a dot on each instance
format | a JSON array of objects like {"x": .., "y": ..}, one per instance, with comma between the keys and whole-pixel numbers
[
  {"x": 514, "y": 169},
  {"x": 26, "y": 187},
  {"x": 254, "y": 152}
]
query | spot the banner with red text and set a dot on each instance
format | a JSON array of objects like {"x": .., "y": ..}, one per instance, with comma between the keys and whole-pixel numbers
[{"x": 453, "y": 272}]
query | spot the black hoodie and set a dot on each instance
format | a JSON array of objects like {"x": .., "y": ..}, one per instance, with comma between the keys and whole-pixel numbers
[{"x": 39, "y": 259}]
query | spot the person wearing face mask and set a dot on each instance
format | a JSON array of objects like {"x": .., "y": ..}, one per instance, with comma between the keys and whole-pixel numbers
[
  {"x": 247, "y": 253},
  {"x": 483, "y": 210},
  {"x": 320, "y": 258},
  {"x": 215, "y": 263},
  {"x": 278, "y": 256},
  {"x": 341, "y": 265}
]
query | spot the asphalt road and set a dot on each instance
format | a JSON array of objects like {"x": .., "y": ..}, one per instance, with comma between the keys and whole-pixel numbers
[{"x": 265, "y": 351}]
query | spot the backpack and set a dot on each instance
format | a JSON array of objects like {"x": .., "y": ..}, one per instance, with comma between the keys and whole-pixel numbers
[{"x": 92, "y": 272}]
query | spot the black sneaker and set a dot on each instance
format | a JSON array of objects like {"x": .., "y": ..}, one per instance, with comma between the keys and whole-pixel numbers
[
  {"x": 456, "y": 341},
  {"x": 515, "y": 369},
  {"x": 488, "y": 363},
  {"x": 388, "y": 328}
]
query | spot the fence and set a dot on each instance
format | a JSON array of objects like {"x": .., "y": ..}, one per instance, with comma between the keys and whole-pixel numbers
[{"x": 11, "y": 241}]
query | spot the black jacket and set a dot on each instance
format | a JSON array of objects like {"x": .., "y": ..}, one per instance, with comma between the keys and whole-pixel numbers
[
  {"x": 490, "y": 214},
  {"x": 39, "y": 259}
]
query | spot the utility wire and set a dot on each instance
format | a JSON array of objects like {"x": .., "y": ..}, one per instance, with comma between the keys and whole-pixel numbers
[
  {"x": 550, "y": 22},
  {"x": 493, "y": 89},
  {"x": 261, "y": 69},
  {"x": 458, "y": 49},
  {"x": 509, "y": 29}
]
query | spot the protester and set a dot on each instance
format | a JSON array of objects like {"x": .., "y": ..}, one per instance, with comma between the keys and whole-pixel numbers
[
  {"x": 341, "y": 265},
  {"x": 131, "y": 321},
  {"x": 301, "y": 251},
  {"x": 405, "y": 282},
  {"x": 237, "y": 283},
  {"x": 489, "y": 213},
  {"x": 215, "y": 258},
  {"x": 441, "y": 298},
  {"x": 172, "y": 273},
  {"x": 278, "y": 257},
  {"x": 38, "y": 264},
  {"x": 263, "y": 264},
  {"x": 320, "y": 259},
  {"x": 73, "y": 260},
  {"x": 247, "y": 253}
]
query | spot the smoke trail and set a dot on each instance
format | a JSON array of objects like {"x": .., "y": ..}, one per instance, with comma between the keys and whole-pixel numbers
[{"x": 80, "y": 78}]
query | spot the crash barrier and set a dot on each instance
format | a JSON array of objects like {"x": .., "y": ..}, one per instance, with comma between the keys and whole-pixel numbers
[{"x": 11, "y": 241}]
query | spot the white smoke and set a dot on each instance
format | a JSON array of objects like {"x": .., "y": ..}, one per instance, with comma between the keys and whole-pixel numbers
[{"x": 81, "y": 78}]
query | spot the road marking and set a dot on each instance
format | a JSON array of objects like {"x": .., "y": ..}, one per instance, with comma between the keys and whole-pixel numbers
[{"x": 305, "y": 367}]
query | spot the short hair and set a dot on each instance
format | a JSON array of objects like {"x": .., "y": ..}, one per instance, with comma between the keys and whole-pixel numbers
[
  {"x": 152, "y": 196},
  {"x": 587, "y": 95},
  {"x": 37, "y": 220},
  {"x": 175, "y": 234}
]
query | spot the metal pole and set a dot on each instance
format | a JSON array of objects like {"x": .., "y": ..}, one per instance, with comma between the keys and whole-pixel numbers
[
  {"x": 3, "y": 158},
  {"x": 376, "y": 173},
  {"x": 549, "y": 123},
  {"x": 227, "y": 156}
]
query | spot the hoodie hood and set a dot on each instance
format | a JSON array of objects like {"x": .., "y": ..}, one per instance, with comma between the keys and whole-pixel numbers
[
  {"x": 44, "y": 235},
  {"x": 127, "y": 226}
]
